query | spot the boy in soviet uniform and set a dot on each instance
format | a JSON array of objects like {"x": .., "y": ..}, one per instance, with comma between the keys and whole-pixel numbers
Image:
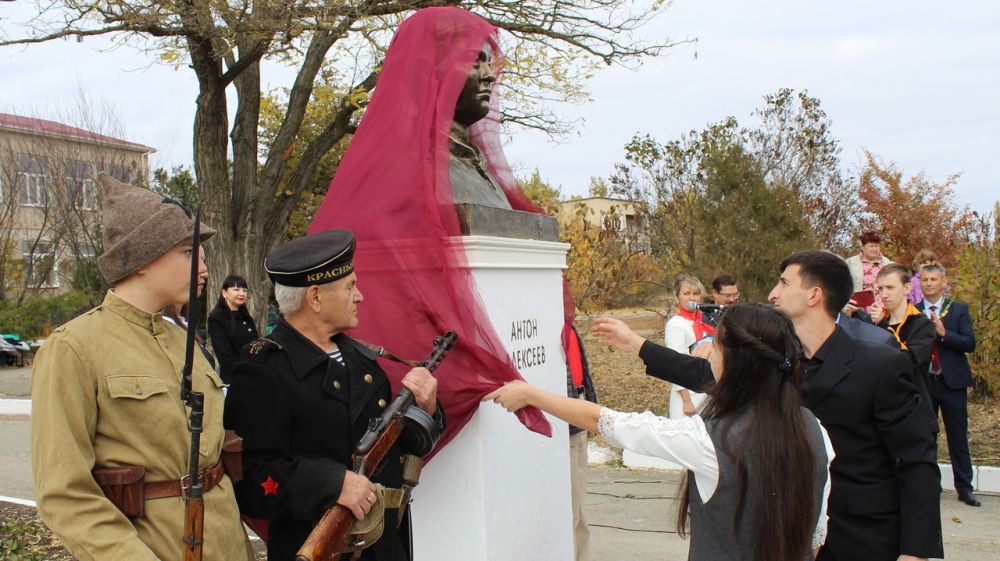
[
  {"x": 302, "y": 399},
  {"x": 106, "y": 393}
]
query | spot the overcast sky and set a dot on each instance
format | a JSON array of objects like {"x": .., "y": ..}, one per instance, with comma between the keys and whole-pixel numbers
[{"x": 915, "y": 82}]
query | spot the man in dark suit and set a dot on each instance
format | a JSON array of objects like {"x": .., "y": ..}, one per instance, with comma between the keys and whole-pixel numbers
[
  {"x": 950, "y": 375},
  {"x": 885, "y": 494}
]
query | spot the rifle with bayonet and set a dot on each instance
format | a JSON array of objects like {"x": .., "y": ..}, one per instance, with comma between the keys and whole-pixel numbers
[
  {"x": 331, "y": 534},
  {"x": 194, "y": 498}
]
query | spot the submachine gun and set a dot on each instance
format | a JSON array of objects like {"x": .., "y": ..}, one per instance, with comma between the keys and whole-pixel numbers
[{"x": 331, "y": 534}]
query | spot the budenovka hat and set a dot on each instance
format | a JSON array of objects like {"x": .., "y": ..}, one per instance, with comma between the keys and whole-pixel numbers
[
  {"x": 314, "y": 259},
  {"x": 139, "y": 226}
]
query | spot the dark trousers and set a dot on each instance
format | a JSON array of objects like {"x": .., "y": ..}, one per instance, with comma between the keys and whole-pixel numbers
[{"x": 953, "y": 405}]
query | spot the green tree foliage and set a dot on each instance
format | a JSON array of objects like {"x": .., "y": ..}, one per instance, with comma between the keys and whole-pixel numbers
[
  {"x": 541, "y": 192},
  {"x": 793, "y": 142},
  {"x": 745, "y": 225},
  {"x": 975, "y": 279},
  {"x": 178, "y": 183},
  {"x": 599, "y": 187},
  {"x": 712, "y": 206},
  {"x": 37, "y": 314}
]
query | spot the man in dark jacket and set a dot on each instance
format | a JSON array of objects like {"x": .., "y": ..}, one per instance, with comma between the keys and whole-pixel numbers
[
  {"x": 950, "y": 375},
  {"x": 885, "y": 494},
  {"x": 303, "y": 397},
  {"x": 911, "y": 329}
]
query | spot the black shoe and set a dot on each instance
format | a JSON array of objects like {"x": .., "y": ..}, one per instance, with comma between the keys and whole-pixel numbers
[{"x": 968, "y": 498}]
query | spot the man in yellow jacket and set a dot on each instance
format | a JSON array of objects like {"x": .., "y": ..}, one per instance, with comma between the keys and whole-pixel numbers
[{"x": 106, "y": 394}]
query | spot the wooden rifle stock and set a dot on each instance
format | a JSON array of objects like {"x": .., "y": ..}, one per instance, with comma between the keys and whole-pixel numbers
[
  {"x": 194, "y": 530},
  {"x": 330, "y": 535}
]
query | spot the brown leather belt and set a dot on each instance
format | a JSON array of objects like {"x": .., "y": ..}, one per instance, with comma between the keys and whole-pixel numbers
[{"x": 209, "y": 478}]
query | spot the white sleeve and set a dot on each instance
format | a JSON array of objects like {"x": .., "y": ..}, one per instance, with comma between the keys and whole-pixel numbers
[
  {"x": 675, "y": 336},
  {"x": 683, "y": 441},
  {"x": 819, "y": 536}
]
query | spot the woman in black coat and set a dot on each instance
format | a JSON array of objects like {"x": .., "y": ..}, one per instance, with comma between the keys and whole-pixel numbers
[{"x": 229, "y": 324}]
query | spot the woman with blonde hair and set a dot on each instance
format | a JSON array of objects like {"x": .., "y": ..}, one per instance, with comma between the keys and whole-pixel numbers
[{"x": 683, "y": 329}]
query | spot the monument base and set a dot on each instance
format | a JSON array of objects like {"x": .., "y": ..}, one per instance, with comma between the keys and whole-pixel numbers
[
  {"x": 482, "y": 220},
  {"x": 499, "y": 492}
]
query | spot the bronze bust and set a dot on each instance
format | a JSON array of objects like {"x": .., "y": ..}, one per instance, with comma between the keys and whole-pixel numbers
[{"x": 471, "y": 182}]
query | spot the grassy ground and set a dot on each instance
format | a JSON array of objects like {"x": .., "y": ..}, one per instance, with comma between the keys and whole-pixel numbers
[{"x": 622, "y": 384}]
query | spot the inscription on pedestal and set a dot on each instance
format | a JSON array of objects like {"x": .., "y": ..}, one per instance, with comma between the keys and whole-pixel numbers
[{"x": 526, "y": 357}]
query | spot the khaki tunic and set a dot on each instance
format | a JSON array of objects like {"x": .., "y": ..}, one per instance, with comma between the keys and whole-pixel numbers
[{"x": 106, "y": 392}]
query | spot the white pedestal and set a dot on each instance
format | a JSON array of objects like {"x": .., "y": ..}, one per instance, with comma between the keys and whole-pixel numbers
[{"x": 498, "y": 491}]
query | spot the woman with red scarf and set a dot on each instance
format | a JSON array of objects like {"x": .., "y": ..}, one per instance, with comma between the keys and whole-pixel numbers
[{"x": 682, "y": 331}]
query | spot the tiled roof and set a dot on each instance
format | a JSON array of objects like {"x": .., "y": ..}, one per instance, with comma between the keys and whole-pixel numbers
[{"x": 43, "y": 126}]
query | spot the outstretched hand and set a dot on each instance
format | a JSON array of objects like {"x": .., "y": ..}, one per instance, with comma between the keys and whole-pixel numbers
[
  {"x": 613, "y": 332},
  {"x": 512, "y": 396}
]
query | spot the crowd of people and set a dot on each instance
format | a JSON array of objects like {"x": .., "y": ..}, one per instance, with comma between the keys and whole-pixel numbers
[{"x": 807, "y": 426}]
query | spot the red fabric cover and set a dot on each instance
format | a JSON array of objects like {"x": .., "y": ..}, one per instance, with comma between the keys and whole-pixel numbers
[
  {"x": 392, "y": 190},
  {"x": 573, "y": 356}
]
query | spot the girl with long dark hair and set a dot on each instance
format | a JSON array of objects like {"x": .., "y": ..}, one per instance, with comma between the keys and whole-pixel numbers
[
  {"x": 230, "y": 325},
  {"x": 757, "y": 461}
]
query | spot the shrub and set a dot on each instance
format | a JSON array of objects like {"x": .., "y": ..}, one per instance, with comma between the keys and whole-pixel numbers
[{"x": 35, "y": 314}]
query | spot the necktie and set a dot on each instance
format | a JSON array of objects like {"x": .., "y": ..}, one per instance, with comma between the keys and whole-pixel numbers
[{"x": 935, "y": 357}]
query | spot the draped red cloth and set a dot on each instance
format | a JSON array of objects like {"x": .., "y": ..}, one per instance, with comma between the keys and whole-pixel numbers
[{"x": 392, "y": 189}]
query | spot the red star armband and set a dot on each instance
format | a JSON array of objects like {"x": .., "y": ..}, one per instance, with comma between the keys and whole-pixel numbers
[{"x": 270, "y": 486}]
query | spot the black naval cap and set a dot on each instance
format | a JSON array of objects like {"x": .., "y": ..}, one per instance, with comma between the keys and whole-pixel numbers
[{"x": 313, "y": 259}]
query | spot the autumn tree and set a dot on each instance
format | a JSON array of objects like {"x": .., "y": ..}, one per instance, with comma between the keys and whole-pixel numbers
[
  {"x": 713, "y": 207},
  {"x": 541, "y": 192},
  {"x": 975, "y": 280},
  {"x": 607, "y": 266},
  {"x": 793, "y": 142},
  {"x": 911, "y": 213},
  {"x": 249, "y": 194},
  {"x": 747, "y": 226}
]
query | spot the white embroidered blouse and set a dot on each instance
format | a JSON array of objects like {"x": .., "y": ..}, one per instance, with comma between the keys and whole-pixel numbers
[{"x": 687, "y": 442}]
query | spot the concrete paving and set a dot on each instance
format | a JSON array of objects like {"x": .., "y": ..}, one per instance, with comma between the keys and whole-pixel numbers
[
  {"x": 631, "y": 512},
  {"x": 15, "y": 382}
]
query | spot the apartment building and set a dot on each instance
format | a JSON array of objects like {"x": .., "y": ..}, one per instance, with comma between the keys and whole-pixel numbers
[
  {"x": 49, "y": 203},
  {"x": 619, "y": 215}
]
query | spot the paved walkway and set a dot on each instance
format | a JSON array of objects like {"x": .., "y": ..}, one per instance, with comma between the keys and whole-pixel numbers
[{"x": 631, "y": 512}]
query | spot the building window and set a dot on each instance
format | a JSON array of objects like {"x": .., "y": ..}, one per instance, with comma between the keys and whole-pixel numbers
[
  {"x": 121, "y": 173},
  {"x": 80, "y": 186},
  {"x": 33, "y": 180},
  {"x": 40, "y": 266}
]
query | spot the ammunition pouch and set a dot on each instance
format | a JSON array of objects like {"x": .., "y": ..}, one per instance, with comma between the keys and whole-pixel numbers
[
  {"x": 124, "y": 487},
  {"x": 368, "y": 530},
  {"x": 127, "y": 489}
]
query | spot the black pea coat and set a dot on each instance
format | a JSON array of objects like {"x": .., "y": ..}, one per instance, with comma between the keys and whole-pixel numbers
[
  {"x": 229, "y": 331},
  {"x": 300, "y": 414},
  {"x": 885, "y": 484}
]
